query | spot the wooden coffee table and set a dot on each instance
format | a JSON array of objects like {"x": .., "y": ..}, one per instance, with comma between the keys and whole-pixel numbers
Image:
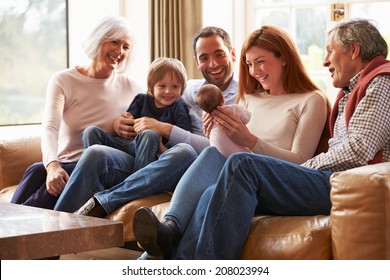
[{"x": 35, "y": 233}]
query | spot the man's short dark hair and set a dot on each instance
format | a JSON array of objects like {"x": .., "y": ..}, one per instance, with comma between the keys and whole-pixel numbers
[{"x": 212, "y": 31}]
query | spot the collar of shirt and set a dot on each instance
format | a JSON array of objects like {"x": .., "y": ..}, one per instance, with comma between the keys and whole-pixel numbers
[
  {"x": 352, "y": 83},
  {"x": 231, "y": 90}
]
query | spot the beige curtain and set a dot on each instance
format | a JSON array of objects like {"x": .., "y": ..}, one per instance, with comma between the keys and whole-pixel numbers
[{"x": 173, "y": 25}]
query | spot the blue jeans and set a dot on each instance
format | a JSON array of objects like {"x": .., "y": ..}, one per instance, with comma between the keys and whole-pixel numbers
[
  {"x": 144, "y": 147},
  {"x": 106, "y": 173},
  {"x": 251, "y": 184},
  {"x": 200, "y": 175}
]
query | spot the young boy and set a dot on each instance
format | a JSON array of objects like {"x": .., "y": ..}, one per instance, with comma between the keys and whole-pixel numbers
[{"x": 166, "y": 82}]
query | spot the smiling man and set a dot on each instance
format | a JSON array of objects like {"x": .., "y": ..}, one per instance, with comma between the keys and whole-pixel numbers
[{"x": 214, "y": 57}]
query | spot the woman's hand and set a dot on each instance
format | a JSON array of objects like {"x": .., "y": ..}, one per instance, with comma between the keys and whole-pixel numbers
[
  {"x": 124, "y": 126},
  {"x": 207, "y": 120},
  {"x": 56, "y": 178},
  {"x": 233, "y": 127},
  {"x": 162, "y": 148}
]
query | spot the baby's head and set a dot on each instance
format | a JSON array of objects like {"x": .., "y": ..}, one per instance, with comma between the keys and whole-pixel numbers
[{"x": 209, "y": 97}]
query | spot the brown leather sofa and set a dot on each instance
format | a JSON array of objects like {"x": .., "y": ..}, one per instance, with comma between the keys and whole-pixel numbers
[{"x": 357, "y": 228}]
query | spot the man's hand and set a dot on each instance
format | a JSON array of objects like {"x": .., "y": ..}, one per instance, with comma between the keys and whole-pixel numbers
[
  {"x": 161, "y": 128},
  {"x": 234, "y": 128},
  {"x": 56, "y": 178},
  {"x": 124, "y": 126}
]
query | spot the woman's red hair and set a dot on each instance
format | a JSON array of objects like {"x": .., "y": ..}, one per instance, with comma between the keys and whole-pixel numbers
[{"x": 277, "y": 41}]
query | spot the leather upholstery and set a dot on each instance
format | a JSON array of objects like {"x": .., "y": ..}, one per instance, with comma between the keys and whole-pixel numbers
[
  {"x": 361, "y": 213},
  {"x": 289, "y": 238},
  {"x": 125, "y": 213},
  {"x": 20, "y": 146}
]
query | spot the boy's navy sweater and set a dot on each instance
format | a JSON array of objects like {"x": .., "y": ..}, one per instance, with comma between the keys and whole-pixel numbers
[{"x": 176, "y": 114}]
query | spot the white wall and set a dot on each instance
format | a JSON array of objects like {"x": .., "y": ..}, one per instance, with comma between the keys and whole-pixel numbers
[
  {"x": 229, "y": 15},
  {"x": 83, "y": 17},
  {"x": 136, "y": 11}
]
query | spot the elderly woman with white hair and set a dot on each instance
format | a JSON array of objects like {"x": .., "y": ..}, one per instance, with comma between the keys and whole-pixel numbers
[{"x": 92, "y": 94}]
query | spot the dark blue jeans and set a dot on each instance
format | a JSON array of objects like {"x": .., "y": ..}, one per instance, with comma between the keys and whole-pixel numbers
[
  {"x": 32, "y": 188},
  {"x": 251, "y": 184}
]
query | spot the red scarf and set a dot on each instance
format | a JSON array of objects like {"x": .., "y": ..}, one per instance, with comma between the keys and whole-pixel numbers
[{"x": 378, "y": 66}]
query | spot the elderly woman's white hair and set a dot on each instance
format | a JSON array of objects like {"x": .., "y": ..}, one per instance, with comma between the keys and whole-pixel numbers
[{"x": 108, "y": 29}]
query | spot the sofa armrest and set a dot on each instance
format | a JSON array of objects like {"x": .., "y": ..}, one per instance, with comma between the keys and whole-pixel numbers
[
  {"x": 19, "y": 148},
  {"x": 360, "y": 214}
]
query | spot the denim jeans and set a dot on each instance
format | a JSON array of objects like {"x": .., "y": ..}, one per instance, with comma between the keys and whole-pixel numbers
[
  {"x": 143, "y": 148},
  {"x": 106, "y": 173},
  {"x": 251, "y": 184},
  {"x": 200, "y": 175}
]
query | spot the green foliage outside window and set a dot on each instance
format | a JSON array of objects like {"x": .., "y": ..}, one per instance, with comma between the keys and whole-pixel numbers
[{"x": 33, "y": 36}]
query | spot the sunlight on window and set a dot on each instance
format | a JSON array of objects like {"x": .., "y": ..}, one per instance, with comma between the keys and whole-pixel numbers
[
  {"x": 33, "y": 37},
  {"x": 308, "y": 21},
  {"x": 379, "y": 12}
]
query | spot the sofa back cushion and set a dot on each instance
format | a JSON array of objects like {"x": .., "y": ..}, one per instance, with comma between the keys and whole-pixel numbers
[{"x": 19, "y": 148}]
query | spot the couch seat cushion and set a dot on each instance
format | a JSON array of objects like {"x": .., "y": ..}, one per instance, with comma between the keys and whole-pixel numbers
[
  {"x": 125, "y": 213},
  {"x": 7, "y": 193},
  {"x": 289, "y": 238}
]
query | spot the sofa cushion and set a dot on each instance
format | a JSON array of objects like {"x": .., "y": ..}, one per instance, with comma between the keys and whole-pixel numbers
[
  {"x": 19, "y": 147},
  {"x": 7, "y": 193},
  {"x": 289, "y": 238},
  {"x": 361, "y": 212},
  {"x": 125, "y": 213},
  {"x": 160, "y": 209}
]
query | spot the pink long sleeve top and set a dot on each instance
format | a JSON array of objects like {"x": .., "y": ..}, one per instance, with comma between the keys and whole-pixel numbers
[{"x": 288, "y": 126}]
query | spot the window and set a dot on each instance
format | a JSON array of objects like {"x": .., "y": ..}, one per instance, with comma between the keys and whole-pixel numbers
[
  {"x": 34, "y": 45},
  {"x": 308, "y": 22}
]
